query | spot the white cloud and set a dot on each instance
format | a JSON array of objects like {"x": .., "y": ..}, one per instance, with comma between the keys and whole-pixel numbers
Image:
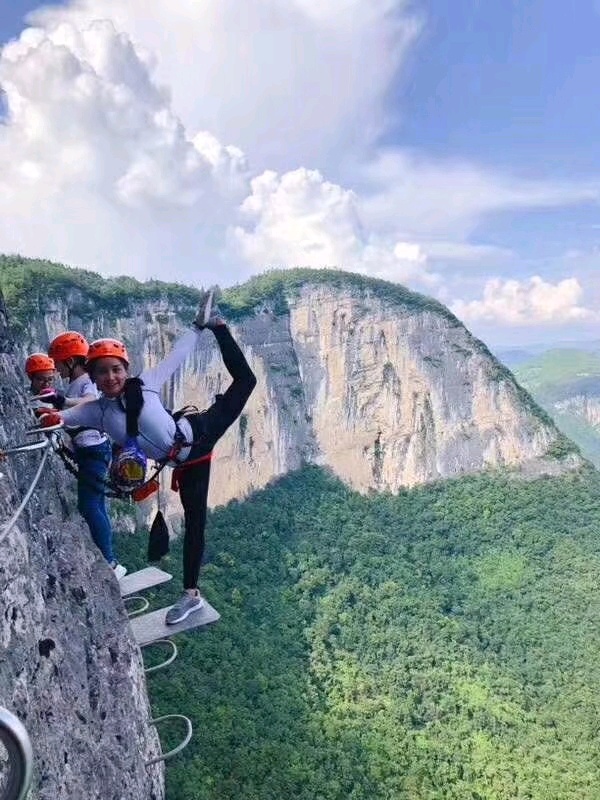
[
  {"x": 95, "y": 167},
  {"x": 83, "y": 108},
  {"x": 112, "y": 156},
  {"x": 526, "y": 303},
  {"x": 291, "y": 82},
  {"x": 300, "y": 219},
  {"x": 465, "y": 252},
  {"x": 447, "y": 198}
]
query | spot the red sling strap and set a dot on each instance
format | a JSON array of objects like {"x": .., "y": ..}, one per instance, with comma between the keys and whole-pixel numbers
[{"x": 185, "y": 465}]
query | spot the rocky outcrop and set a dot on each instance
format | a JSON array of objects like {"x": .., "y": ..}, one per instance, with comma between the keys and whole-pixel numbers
[
  {"x": 579, "y": 398},
  {"x": 68, "y": 666},
  {"x": 387, "y": 389}
]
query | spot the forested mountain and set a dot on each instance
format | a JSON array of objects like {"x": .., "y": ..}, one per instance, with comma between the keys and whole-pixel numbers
[
  {"x": 436, "y": 645},
  {"x": 383, "y": 385},
  {"x": 406, "y": 573}
]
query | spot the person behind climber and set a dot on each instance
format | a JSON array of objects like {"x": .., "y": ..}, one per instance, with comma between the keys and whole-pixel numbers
[
  {"x": 185, "y": 443},
  {"x": 92, "y": 450},
  {"x": 41, "y": 371}
]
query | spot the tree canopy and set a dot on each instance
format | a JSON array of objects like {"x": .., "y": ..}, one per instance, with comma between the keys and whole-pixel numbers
[{"x": 440, "y": 644}]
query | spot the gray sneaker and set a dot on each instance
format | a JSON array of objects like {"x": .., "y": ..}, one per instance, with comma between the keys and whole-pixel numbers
[
  {"x": 186, "y": 605},
  {"x": 205, "y": 309}
]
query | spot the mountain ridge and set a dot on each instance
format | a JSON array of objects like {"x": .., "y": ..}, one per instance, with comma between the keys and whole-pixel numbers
[{"x": 384, "y": 385}]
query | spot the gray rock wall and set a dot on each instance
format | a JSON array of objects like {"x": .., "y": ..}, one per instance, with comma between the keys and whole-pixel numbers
[{"x": 68, "y": 666}]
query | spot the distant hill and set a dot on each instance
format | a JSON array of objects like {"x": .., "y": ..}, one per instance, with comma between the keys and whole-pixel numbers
[
  {"x": 566, "y": 383},
  {"x": 558, "y": 368},
  {"x": 515, "y": 356}
]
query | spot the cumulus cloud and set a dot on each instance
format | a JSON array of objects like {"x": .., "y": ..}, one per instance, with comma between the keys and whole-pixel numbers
[
  {"x": 92, "y": 155},
  {"x": 291, "y": 82},
  {"x": 525, "y": 303},
  {"x": 115, "y": 154},
  {"x": 300, "y": 219}
]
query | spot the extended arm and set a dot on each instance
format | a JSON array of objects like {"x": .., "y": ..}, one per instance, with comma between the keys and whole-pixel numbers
[
  {"x": 83, "y": 415},
  {"x": 157, "y": 376},
  {"x": 71, "y": 402}
]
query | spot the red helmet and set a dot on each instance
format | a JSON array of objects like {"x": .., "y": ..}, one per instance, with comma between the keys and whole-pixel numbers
[
  {"x": 107, "y": 348},
  {"x": 68, "y": 345},
  {"x": 38, "y": 362}
]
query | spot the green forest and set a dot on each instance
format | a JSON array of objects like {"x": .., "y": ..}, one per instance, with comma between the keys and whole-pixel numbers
[
  {"x": 28, "y": 284},
  {"x": 440, "y": 644}
]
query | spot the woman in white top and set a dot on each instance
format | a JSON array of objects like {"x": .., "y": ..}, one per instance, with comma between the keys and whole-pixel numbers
[
  {"x": 186, "y": 443},
  {"x": 92, "y": 449}
]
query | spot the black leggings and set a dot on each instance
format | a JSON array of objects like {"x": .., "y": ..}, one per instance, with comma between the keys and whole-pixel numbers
[
  {"x": 207, "y": 428},
  {"x": 193, "y": 490}
]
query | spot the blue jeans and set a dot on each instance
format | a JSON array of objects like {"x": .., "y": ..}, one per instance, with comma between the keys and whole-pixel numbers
[{"x": 93, "y": 465}]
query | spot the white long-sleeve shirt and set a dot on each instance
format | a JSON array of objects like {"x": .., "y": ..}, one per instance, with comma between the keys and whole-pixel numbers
[
  {"x": 81, "y": 387},
  {"x": 157, "y": 428}
]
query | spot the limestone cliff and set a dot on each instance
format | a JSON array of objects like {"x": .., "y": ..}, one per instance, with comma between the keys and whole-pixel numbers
[
  {"x": 384, "y": 386},
  {"x": 565, "y": 381},
  {"x": 68, "y": 667},
  {"x": 585, "y": 406}
]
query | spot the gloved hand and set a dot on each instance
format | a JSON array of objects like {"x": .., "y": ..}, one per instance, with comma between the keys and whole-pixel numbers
[
  {"x": 55, "y": 397},
  {"x": 47, "y": 418}
]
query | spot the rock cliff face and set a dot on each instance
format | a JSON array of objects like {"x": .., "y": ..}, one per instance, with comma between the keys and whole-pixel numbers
[
  {"x": 582, "y": 400},
  {"x": 388, "y": 391},
  {"x": 68, "y": 667}
]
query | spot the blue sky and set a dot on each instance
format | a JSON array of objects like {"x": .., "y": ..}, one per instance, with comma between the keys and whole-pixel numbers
[
  {"x": 506, "y": 90},
  {"x": 12, "y": 16},
  {"x": 515, "y": 86},
  {"x": 507, "y": 82}
]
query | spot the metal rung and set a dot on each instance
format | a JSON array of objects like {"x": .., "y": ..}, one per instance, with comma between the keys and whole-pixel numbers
[
  {"x": 15, "y": 739},
  {"x": 24, "y": 448},
  {"x": 151, "y": 627},
  {"x": 137, "y": 597},
  {"x": 143, "y": 579},
  {"x": 41, "y": 396},
  {"x": 167, "y": 661},
  {"x": 179, "y": 747},
  {"x": 49, "y": 429}
]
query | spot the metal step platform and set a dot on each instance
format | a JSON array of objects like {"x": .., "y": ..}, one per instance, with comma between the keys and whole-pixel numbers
[
  {"x": 151, "y": 627},
  {"x": 143, "y": 579}
]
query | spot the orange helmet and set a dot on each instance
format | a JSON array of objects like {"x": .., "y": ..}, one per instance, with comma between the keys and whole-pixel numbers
[
  {"x": 68, "y": 345},
  {"x": 107, "y": 348},
  {"x": 38, "y": 362}
]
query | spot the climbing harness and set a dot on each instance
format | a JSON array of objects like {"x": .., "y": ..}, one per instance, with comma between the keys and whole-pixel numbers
[
  {"x": 128, "y": 477},
  {"x": 181, "y": 468}
]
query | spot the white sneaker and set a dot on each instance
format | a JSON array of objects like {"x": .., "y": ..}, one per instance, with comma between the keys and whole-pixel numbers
[{"x": 119, "y": 571}]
